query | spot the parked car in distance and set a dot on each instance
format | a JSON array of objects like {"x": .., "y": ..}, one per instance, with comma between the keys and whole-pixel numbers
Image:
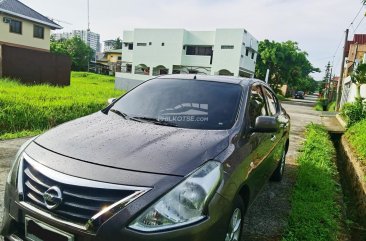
[
  {"x": 180, "y": 157},
  {"x": 299, "y": 95}
]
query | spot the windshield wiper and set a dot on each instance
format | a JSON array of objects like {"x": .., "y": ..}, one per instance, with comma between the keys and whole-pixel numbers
[
  {"x": 155, "y": 121},
  {"x": 124, "y": 115}
]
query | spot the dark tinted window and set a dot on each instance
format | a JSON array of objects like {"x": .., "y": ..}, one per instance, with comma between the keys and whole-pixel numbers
[
  {"x": 38, "y": 32},
  {"x": 194, "y": 104},
  {"x": 15, "y": 26},
  {"x": 257, "y": 104},
  {"x": 272, "y": 102},
  {"x": 199, "y": 50}
]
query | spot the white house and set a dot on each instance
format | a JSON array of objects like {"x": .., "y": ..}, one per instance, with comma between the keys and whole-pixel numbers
[{"x": 152, "y": 52}]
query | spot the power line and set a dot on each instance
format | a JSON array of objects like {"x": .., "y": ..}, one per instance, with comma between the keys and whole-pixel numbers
[
  {"x": 358, "y": 13},
  {"x": 354, "y": 30},
  {"x": 359, "y": 24}
]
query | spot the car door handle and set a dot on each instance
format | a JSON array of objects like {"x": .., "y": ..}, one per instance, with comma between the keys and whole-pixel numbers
[{"x": 273, "y": 138}]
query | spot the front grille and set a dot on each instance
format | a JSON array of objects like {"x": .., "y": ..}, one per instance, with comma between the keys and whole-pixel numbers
[{"x": 79, "y": 204}]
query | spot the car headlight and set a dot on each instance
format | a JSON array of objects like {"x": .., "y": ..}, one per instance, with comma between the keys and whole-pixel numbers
[
  {"x": 13, "y": 174},
  {"x": 184, "y": 204}
]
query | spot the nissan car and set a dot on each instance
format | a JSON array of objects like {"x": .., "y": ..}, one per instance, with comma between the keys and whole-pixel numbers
[{"x": 179, "y": 157}]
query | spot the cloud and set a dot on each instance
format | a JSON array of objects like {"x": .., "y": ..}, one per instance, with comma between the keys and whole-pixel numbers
[{"x": 317, "y": 25}]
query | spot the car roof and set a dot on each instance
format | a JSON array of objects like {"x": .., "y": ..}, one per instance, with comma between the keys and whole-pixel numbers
[{"x": 214, "y": 78}]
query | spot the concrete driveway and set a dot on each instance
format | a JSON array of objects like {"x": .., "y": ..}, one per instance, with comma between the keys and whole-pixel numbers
[{"x": 268, "y": 216}]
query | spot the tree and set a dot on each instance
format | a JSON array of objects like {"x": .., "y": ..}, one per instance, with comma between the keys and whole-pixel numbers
[
  {"x": 117, "y": 44},
  {"x": 358, "y": 77},
  {"x": 286, "y": 62},
  {"x": 79, "y": 52}
]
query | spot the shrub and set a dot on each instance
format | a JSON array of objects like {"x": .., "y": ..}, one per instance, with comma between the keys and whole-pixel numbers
[
  {"x": 332, "y": 106},
  {"x": 353, "y": 112},
  {"x": 356, "y": 135}
]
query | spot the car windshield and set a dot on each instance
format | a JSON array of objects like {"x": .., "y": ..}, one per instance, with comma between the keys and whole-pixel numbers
[{"x": 194, "y": 104}]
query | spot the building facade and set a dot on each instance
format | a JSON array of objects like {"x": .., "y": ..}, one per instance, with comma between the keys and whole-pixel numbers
[
  {"x": 356, "y": 50},
  {"x": 21, "y": 26},
  {"x": 90, "y": 38},
  {"x": 110, "y": 63},
  {"x": 153, "y": 52}
]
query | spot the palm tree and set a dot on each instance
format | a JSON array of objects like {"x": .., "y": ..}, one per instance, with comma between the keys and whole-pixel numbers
[{"x": 358, "y": 77}]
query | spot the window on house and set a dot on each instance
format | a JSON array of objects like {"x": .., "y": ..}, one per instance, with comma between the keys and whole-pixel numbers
[
  {"x": 128, "y": 68},
  {"x": 126, "y": 45},
  {"x": 162, "y": 44},
  {"x": 141, "y": 44},
  {"x": 253, "y": 54},
  {"x": 119, "y": 58},
  {"x": 227, "y": 46},
  {"x": 130, "y": 46},
  {"x": 198, "y": 50},
  {"x": 38, "y": 32},
  {"x": 15, "y": 26},
  {"x": 150, "y": 43},
  {"x": 247, "y": 52},
  {"x": 176, "y": 71}
]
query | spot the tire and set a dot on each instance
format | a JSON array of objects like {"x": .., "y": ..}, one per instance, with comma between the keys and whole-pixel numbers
[
  {"x": 278, "y": 173},
  {"x": 234, "y": 231}
]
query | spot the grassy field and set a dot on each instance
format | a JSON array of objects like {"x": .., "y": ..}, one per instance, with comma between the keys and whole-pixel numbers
[
  {"x": 29, "y": 110},
  {"x": 315, "y": 213},
  {"x": 356, "y": 135}
]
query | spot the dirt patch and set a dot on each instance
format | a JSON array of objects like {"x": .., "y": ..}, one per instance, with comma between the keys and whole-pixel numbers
[{"x": 267, "y": 218}]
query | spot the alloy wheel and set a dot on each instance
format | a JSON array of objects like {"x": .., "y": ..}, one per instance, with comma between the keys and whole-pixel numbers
[{"x": 234, "y": 226}]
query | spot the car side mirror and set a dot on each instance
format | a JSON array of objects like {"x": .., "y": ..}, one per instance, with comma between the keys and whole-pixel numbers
[
  {"x": 265, "y": 124},
  {"x": 111, "y": 100}
]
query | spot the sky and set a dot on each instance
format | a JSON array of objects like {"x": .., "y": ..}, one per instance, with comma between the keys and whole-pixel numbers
[{"x": 317, "y": 25}]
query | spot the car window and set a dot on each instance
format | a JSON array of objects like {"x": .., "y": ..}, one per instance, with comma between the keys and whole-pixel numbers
[
  {"x": 272, "y": 102},
  {"x": 257, "y": 104},
  {"x": 193, "y": 104}
]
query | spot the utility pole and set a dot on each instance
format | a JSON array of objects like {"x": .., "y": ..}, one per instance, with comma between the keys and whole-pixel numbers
[
  {"x": 87, "y": 33},
  {"x": 88, "y": 17},
  {"x": 340, "y": 83}
]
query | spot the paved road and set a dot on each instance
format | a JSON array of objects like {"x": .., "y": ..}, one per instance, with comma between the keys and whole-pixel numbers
[{"x": 268, "y": 216}]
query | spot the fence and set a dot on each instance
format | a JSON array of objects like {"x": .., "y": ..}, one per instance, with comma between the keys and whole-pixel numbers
[{"x": 33, "y": 66}]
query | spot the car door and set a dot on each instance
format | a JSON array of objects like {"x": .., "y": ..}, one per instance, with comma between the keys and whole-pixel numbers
[
  {"x": 276, "y": 138},
  {"x": 255, "y": 146}
]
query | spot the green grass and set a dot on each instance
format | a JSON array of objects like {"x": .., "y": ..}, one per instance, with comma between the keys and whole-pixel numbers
[
  {"x": 332, "y": 106},
  {"x": 356, "y": 136},
  {"x": 281, "y": 97},
  {"x": 315, "y": 213},
  {"x": 318, "y": 106},
  {"x": 29, "y": 110}
]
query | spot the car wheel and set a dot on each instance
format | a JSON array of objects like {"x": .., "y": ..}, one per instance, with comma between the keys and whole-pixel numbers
[
  {"x": 278, "y": 173},
  {"x": 235, "y": 228}
]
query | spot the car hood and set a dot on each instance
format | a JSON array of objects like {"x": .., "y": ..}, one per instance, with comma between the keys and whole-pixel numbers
[{"x": 112, "y": 141}]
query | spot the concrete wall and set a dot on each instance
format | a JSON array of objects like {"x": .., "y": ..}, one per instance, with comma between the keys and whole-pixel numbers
[
  {"x": 128, "y": 81},
  {"x": 26, "y": 38},
  {"x": 349, "y": 91}
]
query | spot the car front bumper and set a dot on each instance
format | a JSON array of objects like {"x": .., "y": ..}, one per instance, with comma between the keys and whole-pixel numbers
[{"x": 212, "y": 228}]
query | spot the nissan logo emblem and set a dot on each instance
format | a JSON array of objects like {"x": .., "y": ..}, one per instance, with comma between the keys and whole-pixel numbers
[{"x": 52, "y": 197}]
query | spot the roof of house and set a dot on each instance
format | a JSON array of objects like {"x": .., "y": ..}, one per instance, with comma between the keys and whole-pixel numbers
[
  {"x": 357, "y": 38},
  {"x": 18, "y": 9}
]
